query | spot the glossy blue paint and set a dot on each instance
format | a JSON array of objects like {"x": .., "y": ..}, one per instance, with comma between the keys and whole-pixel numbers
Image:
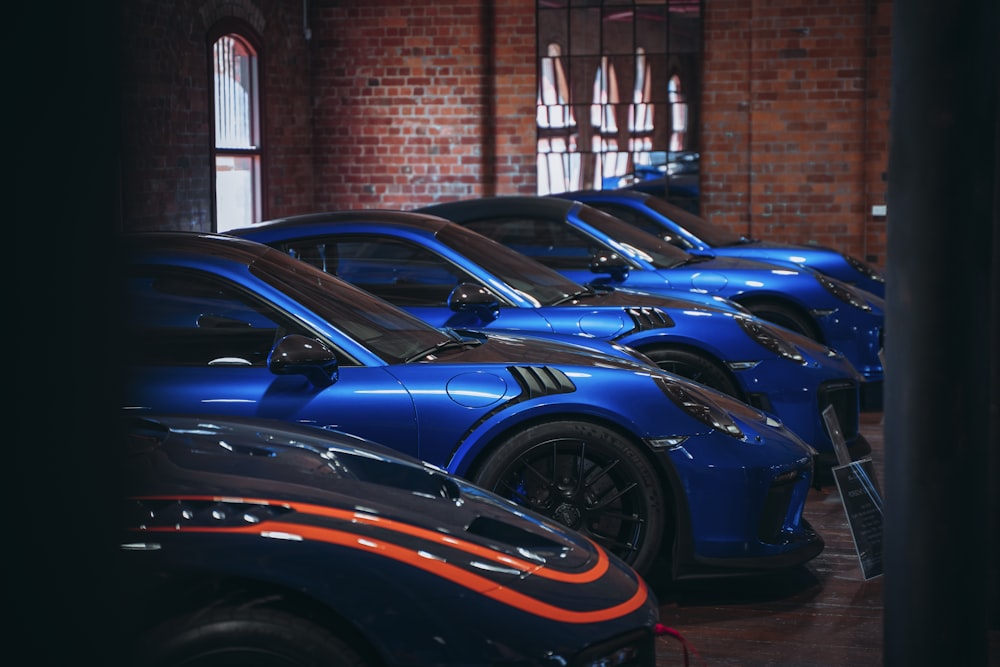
[
  {"x": 417, "y": 261},
  {"x": 573, "y": 237},
  {"x": 225, "y": 326},
  {"x": 697, "y": 236}
]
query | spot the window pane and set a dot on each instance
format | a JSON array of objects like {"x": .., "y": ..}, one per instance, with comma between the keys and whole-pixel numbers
[
  {"x": 237, "y": 149},
  {"x": 235, "y": 191},
  {"x": 191, "y": 319},
  {"x": 607, "y": 65},
  {"x": 234, "y": 91}
]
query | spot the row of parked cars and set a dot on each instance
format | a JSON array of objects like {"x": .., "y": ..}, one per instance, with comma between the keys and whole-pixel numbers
[{"x": 546, "y": 406}]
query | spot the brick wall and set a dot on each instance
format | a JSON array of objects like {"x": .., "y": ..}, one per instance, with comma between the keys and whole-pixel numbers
[
  {"x": 380, "y": 103},
  {"x": 795, "y": 120},
  {"x": 166, "y": 174},
  {"x": 424, "y": 102}
]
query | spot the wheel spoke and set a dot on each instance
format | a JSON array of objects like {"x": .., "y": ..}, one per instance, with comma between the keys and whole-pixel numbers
[
  {"x": 513, "y": 493},
  {"x": 515, "y": 484},
  {"x": 623, "y": 517},
  {"x": 588, "y": 481},
  {"x": 549, "y": 482},
  {"x": 603, "y": 471},
  {"x": 613, "y": 544},
  {"x": 581, "y": 473},
  {"x": 605, "y": 501}
]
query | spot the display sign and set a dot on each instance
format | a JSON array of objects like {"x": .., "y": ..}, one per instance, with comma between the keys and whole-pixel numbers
[
  {"x": 836, "y": 435},
  {"x": 862, "y": 501}
]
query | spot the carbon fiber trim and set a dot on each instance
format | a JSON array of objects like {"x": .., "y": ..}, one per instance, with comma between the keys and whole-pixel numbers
[
  {"x": 538, "y": 381},
  {"x": 646, "y": 318}
]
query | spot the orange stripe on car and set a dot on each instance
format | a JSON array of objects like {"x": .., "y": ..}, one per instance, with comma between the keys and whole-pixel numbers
[
  {"x": 440, "y": 568},
  {"x": 592, "y": 574}
]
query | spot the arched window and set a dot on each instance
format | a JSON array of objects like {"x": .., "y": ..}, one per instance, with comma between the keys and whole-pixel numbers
[{"x": 236, "y": 133}]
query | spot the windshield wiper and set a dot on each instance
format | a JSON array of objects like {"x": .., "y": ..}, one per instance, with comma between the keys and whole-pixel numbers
[
  {"x": 695, "y": 259},
  {"x": 582, "y": 294},
  {"x": 450, "y": 344}
]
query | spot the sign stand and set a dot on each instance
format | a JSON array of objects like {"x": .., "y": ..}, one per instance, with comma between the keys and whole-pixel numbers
[{"x": 862, "y": 499}]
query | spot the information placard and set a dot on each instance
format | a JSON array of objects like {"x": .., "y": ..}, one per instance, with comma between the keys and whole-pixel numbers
[
  {"x": 862, "y": 501},
  {"x": 836, "y": 435}
]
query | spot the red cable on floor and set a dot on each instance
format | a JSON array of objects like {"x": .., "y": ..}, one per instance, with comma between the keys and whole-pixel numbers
[{"x": 659, "y": 630}]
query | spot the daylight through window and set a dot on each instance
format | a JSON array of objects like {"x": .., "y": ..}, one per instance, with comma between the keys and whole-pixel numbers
[
  {"x": 632, "y": 70},
  {"x": 237, "y": 142}
]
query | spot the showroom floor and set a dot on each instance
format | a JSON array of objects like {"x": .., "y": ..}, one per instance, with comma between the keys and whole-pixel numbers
[{"x": 824, "y": 613}]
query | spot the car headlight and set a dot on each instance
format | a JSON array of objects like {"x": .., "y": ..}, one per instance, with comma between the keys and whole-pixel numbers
[
  {"x": 769, "y": 337},
  {"x": 699, "y": 405},
  {"x": 864, "y": 268},
  {"x": 845, "y": 293}
]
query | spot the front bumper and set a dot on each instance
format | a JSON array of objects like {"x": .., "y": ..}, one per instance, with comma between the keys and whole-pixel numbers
[
  {"x": 743, "y": 514},
  {"x": 798, "y": 395}
]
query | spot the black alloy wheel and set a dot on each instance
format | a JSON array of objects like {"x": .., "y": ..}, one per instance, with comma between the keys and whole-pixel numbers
[{"x": 588, "y": 478}]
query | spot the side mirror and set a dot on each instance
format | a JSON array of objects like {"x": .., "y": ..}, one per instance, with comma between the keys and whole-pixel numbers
[
  {"x": 300, "y": 355},
  {"x": 606, "y": 261},
  {"x": 482, "y": 302}
]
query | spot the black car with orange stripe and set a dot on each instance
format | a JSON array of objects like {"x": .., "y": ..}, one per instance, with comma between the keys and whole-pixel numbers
[{"x": 269, "y": 543}]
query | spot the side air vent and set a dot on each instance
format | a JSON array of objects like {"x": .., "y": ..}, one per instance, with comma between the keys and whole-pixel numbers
[
  {"x": 179, "y": 513},
  {"x": 503, "y": 533},
  {"x": 649, "y": 318},
  {"x": 537, "y": 381}
]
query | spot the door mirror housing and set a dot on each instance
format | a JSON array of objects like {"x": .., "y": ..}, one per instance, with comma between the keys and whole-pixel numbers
[
  {"x": 606, "y": 261},
  {"x": 300, "y": 355},
  {"x": 475, "y": 298}
]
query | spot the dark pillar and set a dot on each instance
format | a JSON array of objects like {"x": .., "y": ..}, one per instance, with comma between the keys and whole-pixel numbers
[{"x": 940, "y": 512}]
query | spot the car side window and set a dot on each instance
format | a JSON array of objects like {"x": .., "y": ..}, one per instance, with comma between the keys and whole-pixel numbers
[
  {"x": 187, "y": 318},
  {"x": 629, "y": 216},
  {"x": 552, "y": 243},
  {"x": 401, "y": 272},
  {"x": 642, "y": 222}
]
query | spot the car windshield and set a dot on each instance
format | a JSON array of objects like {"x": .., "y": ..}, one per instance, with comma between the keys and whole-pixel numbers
[
  {"x": 388, "y": 331},
  {"x": 712, "y": 235},
  {"x": 534, "y": 280},
  {"x": 634, "y": 241}
]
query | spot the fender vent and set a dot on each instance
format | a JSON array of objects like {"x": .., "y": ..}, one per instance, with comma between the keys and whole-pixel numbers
[
  {"x": 539, "y": 381},
  {"x": 649, "y": 318},
  {"x": 185, "y": 512}
]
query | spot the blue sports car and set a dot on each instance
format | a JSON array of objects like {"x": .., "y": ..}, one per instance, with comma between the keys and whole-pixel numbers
[
  {"x": 645, "y": 463},
  {"x": 697, "y": 236},
  {"x": 579, "y": 240},
  {"x": 453, "y": 277},
  {"x": 259, "y": 542}
]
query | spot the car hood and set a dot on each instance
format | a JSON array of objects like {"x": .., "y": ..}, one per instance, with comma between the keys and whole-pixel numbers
[
  {"x": 627, "y": 299},
  {"x": 529, "y": 348},
  {"x": 610, "y": 315},
  {"x": 285, "y": 475},
  {"x": 778, "y": 245},
  {"x": 768, "y": 251},
  {"x": 361, "y": 527},
  {"x": 715, "y": 263}
]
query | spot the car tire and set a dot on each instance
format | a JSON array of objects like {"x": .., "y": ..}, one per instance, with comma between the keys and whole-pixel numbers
[
  {"x": 785, "y": 316},
  {"x": 244, "y": 636},
  {"x": 694, "y": 366},
  {"x": 587, "y": 477}
]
